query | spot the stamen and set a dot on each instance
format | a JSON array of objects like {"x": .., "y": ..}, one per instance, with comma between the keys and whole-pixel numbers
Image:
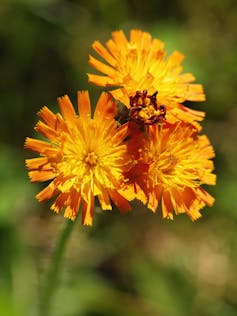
[
  {"x": 144, "y": 108},
  {"x": 91, "y": 159}
]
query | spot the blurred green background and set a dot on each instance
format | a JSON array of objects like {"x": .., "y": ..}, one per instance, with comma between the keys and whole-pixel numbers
[{"x": 137, "y": 264}]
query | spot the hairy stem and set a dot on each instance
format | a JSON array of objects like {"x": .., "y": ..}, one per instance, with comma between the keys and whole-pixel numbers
[{"x": 52, "y": 279}]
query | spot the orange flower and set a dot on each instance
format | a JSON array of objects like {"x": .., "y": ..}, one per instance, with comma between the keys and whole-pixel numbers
[
  {"x": 172, "y": 164},
  {"x": 84, "y": 157},
  {"x": 140, "y": 64}
]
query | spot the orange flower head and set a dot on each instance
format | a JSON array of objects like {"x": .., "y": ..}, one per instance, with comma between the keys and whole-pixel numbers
[
  {"x": 140, "y": 64},
  {"x": 83, "y": 157},
  {"x": 173, "y": 161}
]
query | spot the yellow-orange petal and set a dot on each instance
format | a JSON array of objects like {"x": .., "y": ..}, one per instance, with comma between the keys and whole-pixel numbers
[
  {"x": 36, "y": 163},
  {"x": 103, "y": 52},
  {"x": 41, "y": 176},
  {"x": 47, "y": 116},
  {"x": 88, "y": 209},
  {"x": 47, "y": 193},
  {"x": 40, "y": 146},
  {"x": 46, "y": 130},
  {"x": 167, "y": 207},
  {"x": 66, "y": 108},
  {"x": 101, "y": 66},
  {"x": 121, "y": 203},
  {"x": 60, "y": 202},
  {"x": 205, "y": 196},
  {"x": 70, "y": 213},
  {"x": 84, "y": 105},
  {"x": 104, "y": 200},
  {"x": 154, "y": 197},
  {"x": 119, "y": 38},
  {"x": 195, "y": 93},
  {"x": 105, "y": 112}
]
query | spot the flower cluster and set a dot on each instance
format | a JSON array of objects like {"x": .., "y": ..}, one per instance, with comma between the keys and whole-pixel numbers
[{"x": 150, "y": 150}]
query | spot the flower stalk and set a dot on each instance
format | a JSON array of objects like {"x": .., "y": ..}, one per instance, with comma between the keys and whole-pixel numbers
[{"x": 52, "y": 277}]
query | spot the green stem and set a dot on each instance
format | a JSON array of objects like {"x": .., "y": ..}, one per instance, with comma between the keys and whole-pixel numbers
[{"x": 54, "y": 271}]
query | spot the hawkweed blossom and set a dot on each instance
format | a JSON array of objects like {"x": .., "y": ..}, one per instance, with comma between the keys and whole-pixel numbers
[
  {"x": 140, "y": 63},
  {"x": 172, "y": 162},
  {"x": 151, "y": 151},
  {"x": 84, "y": 157}
]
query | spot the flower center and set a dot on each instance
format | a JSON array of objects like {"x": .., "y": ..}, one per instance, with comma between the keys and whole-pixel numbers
[
  {"x": 144, "y": 108},
  {"x": 163, "y": 168},
  {"x": 91, "y": 159},
  {"x": 167, "y": 163}
]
